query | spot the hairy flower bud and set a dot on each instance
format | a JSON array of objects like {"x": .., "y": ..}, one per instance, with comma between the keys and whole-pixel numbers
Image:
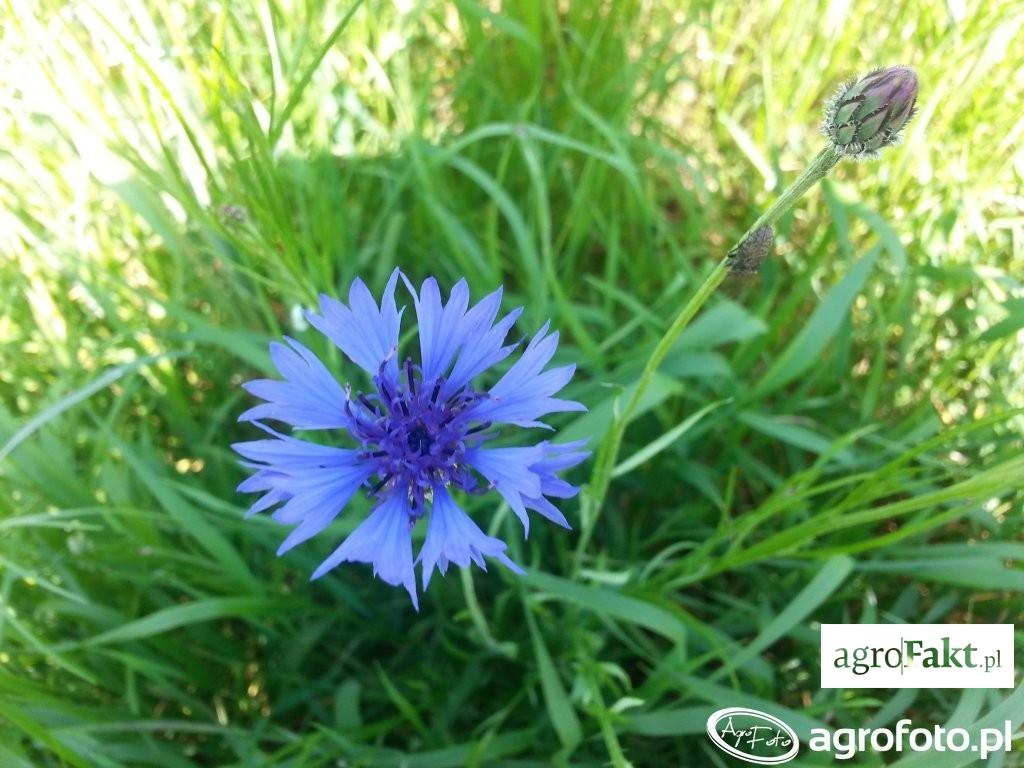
[
  {"x": 747, "y": 257},
  {"x": 868, "y": 114}
]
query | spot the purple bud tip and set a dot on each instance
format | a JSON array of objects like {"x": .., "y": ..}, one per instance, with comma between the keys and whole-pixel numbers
[{"x": 867, "y": 114}]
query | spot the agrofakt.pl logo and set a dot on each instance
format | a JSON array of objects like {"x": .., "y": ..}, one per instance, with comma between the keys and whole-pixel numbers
[{"x": 763, "y": 739}]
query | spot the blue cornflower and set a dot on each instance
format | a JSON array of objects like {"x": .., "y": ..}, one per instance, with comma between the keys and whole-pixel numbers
[{"x": 421, "y": 432}]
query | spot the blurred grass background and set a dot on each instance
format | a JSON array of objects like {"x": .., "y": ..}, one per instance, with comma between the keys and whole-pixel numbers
[{"x": 178, "y": 179}]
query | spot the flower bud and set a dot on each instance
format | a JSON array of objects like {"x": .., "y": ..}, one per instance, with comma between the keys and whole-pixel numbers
[
  {"x": 747, "y": 257},
  {"x": 868, "y": 114}
]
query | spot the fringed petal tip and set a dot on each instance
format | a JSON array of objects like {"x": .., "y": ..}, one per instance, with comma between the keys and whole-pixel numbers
[
  {"x": 453, "y": 537},
  {"x": 382, "y": 540},
  {"x": 513, "y": 566}
]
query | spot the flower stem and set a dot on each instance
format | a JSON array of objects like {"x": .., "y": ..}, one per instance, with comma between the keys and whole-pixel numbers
[
  {"x": 608, "y": 451},
  {"x": 815, "y": 172}
]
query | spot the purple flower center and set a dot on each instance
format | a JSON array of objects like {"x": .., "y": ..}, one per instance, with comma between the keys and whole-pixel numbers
[
  {"x": 420, "y": 439},
  {"x": 415, "y": 436}
]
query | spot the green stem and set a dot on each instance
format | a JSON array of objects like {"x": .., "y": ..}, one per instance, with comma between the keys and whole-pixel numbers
[
  {"x": 608, "y": 451},
  {"x": 815, "y": 172}
]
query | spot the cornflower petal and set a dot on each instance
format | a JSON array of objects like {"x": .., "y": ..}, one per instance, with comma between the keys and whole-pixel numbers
[
  {"x": 508, "y": 470},
  {"x": 313, "y": 481},
  {"x": 308, "y": 398},
  {"x": 483, "y": 350},
  {"x": 441, "y": 326},
  {"x": 557, "y": 458},
  {"x": 384, "y": 539},
  {"x": 452, "y": 537},
  {"x": 366, "y": 333},
  {"x": 523, "y": 394}
]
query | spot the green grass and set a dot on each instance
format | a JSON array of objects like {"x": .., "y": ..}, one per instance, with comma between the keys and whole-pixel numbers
[{"x": 180, "y": 177}]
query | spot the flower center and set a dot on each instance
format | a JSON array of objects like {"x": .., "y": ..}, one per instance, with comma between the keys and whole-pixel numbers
[
  {"x": 420, "y": 439},
  {"x": 415, "y": 433}
]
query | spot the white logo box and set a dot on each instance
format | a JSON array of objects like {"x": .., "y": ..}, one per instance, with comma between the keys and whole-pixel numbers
[{"x": 916, "y": 655}]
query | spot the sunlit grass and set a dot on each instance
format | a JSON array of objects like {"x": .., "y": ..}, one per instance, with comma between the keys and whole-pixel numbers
[{"x": 179, "y": 178}]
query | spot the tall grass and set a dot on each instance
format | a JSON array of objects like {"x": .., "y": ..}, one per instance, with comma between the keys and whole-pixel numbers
[{"x": 838, "y": 441}]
